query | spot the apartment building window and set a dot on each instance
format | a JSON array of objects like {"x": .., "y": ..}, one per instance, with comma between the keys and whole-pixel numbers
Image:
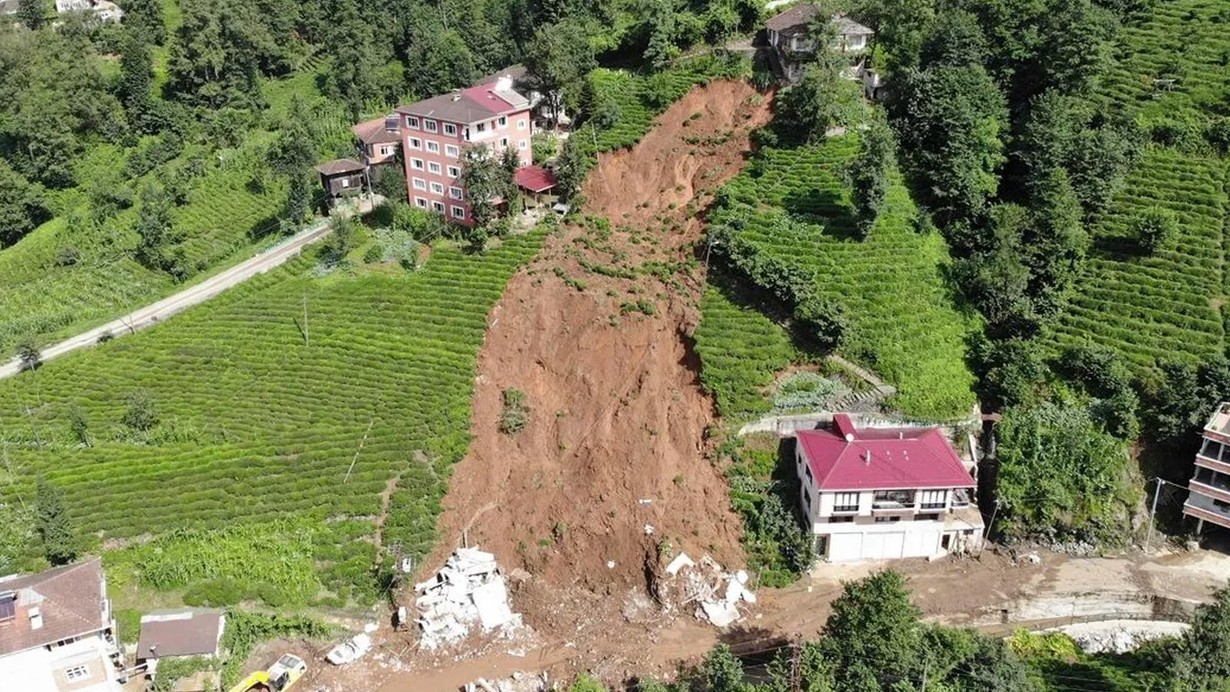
[
  {"x": 433, "y": 167},
  {"x": 433, "y": 147},
  {"x": 521, "y": 124},
  {"x": 454, "y": 172},
  {"x": 420, "y": 184},
  {"x": 522, "y": 144},
  {"x": 437, "y": 188},
  {"x": 451, "y": 151},
  {"x": 385, "y": 151},
  {"x": 459, "y": 212},
  {"x": 845, "y": 502},
  {"x": 412, "y": 122},
  {"x": 481, "y": 127},
  {"x": 887, "y": 520},
  {"x": 438, "y": 207},
  {"x": 807, "y": 500},
  {"x": 77, "y": 673},
  {"x": 450, "y": 129},
  {"x": 503, "y": 120},
  {"x": 934, "y": 499},
  {"x": 416, "y": 143},
  {"x": 416, "y": 164},
  {"x": 455, "y": 192},
  {"x": 841, "y": 520},
  {"x": 429, "y": 125},
  {"x": 420, "y": 202},
  {"x": 927, "y": 517}
]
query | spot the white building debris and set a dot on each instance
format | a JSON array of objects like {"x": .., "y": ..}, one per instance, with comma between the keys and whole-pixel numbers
[
  {"x": 716, "y": 592},
  {"x": 518, "y": 682},
  {"x": 468, "y": 590}
]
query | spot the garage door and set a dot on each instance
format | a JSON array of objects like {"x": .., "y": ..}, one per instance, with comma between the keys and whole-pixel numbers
[
  {"x": 844, "y": 547},
  {"x": 883, "y": 546}
]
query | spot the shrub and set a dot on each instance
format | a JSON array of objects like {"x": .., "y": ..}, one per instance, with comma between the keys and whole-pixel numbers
[
  {"x": 67, "y": 256},
  {"x": 1154, "y": 229},
  {"x": 215, "y": 593},
  {"x": 142, "y": 414},
  {"x": 516, "y": 413}
]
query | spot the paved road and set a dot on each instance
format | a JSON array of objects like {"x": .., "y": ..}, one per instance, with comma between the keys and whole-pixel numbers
[{"x": 157, "y": 312}]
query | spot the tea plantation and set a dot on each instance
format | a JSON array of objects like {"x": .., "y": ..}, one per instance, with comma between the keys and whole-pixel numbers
[
  {"x": 1165, "y": 305},
  {"x": 790, "y": 207},
  {"x": 288, "y": 399}
]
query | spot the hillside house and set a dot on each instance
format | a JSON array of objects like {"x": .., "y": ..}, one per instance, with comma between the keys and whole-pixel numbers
[
  {"x": 436, "y": 130},
  {"x": 1209, "y": 496},
  {"x": 342, "y": 178},
  {"x": 57, "y": 632},
  {"x": 792, "y": 48},
  {"x": 103, "y": 10},
  {"x": 9, "y": 7},
  {"x": 547, "y": 109},
  {"x": 379, "y": 142},
  {"x": 885, "y": 493}
]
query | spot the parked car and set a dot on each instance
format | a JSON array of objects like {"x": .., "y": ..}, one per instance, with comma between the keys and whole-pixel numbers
[{"x": 350, "y": 650}]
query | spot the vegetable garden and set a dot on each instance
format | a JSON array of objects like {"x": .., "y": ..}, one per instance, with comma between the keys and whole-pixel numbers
[
  {"x": 1165, "y": 305},
  {"x": 786, "y": 219},
  {"x": 287, "y": 397}
]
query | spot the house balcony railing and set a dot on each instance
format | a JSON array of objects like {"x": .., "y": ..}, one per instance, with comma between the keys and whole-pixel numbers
[
  {"x": 1219, "y": 491},
  {"x": 1211, "y": 463}
]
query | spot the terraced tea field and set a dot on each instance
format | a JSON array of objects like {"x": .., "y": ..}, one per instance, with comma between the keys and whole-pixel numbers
[
  {"x": 1187, "y": 41},
  {"x": 42, "y": 296},
  {"x": 1167, "y": 305},
  {"x": 790, "y": 207},
  {"x": 289, "y": 397}
]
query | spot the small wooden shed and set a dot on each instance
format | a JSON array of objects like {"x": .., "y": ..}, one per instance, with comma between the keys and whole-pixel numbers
[{"x": 342, "y": 178}]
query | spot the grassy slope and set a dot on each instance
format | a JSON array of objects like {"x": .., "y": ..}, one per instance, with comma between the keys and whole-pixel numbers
[
  {"x": 258, "y": 425},
  {"x": 41, "y": 299},
  {"x": 903, "y": 322},
  {"x": 1168, "y": 306}
]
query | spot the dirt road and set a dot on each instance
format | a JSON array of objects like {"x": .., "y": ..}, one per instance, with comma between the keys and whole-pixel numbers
[{"x": 193, "y": 295}]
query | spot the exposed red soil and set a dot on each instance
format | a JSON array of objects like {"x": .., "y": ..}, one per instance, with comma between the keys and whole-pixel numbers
[{"x": 613, "y": 463}]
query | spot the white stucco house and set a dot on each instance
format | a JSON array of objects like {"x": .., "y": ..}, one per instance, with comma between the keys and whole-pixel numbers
[
  {"x": 57, "y": 632},
  {"x": 885, "y": 493}
]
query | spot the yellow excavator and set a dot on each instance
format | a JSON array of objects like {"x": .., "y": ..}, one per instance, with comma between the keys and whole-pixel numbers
[{"x": 280, "y": 677}]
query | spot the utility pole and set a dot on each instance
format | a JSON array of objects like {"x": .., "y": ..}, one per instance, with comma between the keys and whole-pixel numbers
[
  {"x": 986, "y": 536},
  {"x": 1157, "y": 490}
]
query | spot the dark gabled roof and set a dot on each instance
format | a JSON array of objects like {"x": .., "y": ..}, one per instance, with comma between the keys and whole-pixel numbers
[
  {"x": 180, "y": 633},
  {"x": 515, "y": 72},
  {"x": 69, "y": 601},
  {"x": 457, "y": 107},
  {"x": 340, "y": 167}
]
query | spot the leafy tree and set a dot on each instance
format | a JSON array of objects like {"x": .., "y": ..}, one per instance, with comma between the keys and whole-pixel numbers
[
  {"x": 55, "y": 532},
  {"x": 1012, "y": 373},
  {"x": 154, "y": 227},
  {"x": 868, "y": 175},
  {"x": 996, "y": 278},
  {"x": 28, "y": 354},
  {"x": 872, "y": 636},
  {"x": 1057, "y": 240},
  {"x": 32, "y": 13},
  {"x": 1202, "y": 659},
  {"x": 950, "y": 121},
  {"x": 660, "y": 27},
  {"x": 955, "y": 40},
  {"x": 438, "y": 62},
  {"x": 291, "y": 157},
  {"x": 352, "y": 50},
  {"x": 141, "y": 415},
  {"x": 136, "y": 80},
  {"x": 1154, "y": 229},
  {"x": 1060, "y": 473},
  {"x": 722, "y": 671},
  {"x": 79, "y": 424},
  {"x": 557, "y": 60},
  {"x": 342, "y": 240},
  {"x": 1180, "y": 399},
  {"x": 586, "y": 683},
  {"x": 144, "y": 18},
  {"x": 22, "y": 207},
  {"x": 824, "y": 320},
  {"x": 572, "y": 167},
  {"x": 223, "y": 47},
  {"x": 486, "y": 178},
  {"x": 1074, "y": 50}
]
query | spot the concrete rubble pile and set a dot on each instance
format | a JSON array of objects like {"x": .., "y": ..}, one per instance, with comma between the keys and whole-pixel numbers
[
  {"x": 469, "y": 590},
  {"x": 519, "y": 682},
  {"x": 716, "y": 592}
]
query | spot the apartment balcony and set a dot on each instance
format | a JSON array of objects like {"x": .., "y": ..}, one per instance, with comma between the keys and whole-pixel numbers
[
  {"x": 1212, "y": 464},
  {"x": 1206, "y": 507}
]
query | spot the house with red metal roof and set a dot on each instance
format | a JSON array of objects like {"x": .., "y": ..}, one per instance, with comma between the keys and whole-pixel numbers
[{"x": 885, "y": 493}]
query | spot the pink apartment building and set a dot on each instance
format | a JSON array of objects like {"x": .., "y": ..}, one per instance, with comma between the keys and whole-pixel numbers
[{"x": 435, "y": 131}]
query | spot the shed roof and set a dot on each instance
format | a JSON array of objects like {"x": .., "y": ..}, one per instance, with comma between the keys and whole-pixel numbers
[
  {"x": 180, "y": 633},
  {"x": 798, "y": 17},
  {"x": 535, "y": 178},
  {"x": 340, "y": 167},
  {"x": 845, "y": 458},
  {"x": 69, "y": 600}
]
